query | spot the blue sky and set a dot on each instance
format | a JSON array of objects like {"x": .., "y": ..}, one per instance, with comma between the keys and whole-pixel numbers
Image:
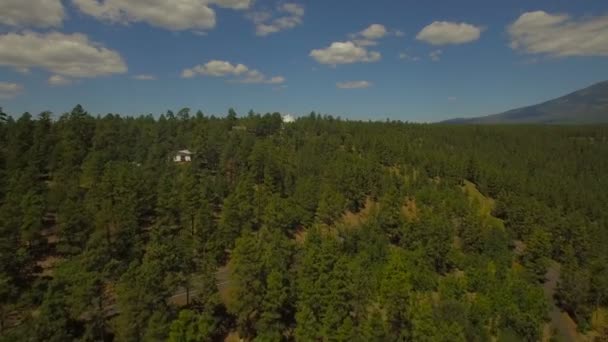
[{"x": 490, "y": 56}]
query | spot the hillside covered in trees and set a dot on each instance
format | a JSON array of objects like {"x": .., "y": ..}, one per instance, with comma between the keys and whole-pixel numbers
[
  {"x": 583, "y": 107},
  {"x": 316, "y": 230}
]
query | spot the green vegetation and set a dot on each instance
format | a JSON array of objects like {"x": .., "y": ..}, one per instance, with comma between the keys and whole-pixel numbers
[{"x": 317, "y": 230}]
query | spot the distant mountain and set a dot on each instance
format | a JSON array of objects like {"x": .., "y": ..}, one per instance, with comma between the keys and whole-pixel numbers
[{"x": 586, "y": 106}]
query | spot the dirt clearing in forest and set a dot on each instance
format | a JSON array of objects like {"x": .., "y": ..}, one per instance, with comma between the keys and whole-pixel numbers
[
  {"x": 561, "y": 324},
  {"x": 486, "y": 204},
  {"x": 225, "y": 285},
  {"x": 353, "y": 220}
]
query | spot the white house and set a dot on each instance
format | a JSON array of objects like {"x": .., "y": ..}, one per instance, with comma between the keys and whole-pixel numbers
[{"x": 183, "y": 156}]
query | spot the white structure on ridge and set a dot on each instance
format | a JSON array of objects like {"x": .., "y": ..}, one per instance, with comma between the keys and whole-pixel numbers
[{"x": 183, "y": 156}]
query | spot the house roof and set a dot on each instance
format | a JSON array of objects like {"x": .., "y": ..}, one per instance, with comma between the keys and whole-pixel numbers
[{"x": 184, "y": 152}]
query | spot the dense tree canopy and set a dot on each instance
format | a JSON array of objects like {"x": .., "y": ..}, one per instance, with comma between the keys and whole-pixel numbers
[{"x": 316, "y": 230}]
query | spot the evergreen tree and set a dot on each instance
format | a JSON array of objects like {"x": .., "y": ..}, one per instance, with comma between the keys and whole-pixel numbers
[{"x": 537, "y": 252}]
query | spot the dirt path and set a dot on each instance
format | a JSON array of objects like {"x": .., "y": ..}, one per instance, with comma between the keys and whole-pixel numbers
[
  {"x": 182, "y": 297},
  {"x": 561, "y": 324},
  {"x": 223, "y": 281}
]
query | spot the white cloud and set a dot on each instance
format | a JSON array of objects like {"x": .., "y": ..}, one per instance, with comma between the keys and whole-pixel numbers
[
  {"x": 293, "y": 9},
  {"x": 259, "y": 16},
  {"x": 188, "y": 73},
  {"x": 176, "y": 15},
  {"x": 344, "y": 53},
  {"x": 215, "y": 68},
  {"x": 233, "y": 4},
  {"x": 407, "y": 57},
  {"x": 255, "y": 76},
  {"x": 443, "y": 33},
  {"x": 144, "y": 77},
  {"x": 72, "y": 55},
  {"x": 58, "y": 80},
  {"x": 370, "y": 35},
  {"x": 353, "y": 50},
  {"x": 290, "y": 16},
  {"x": 353, "y": 84},
  {"x": 399, "y": 33},
  {"x": 243, "y": 74},
  {"x": 435, "y": 55},
  {"x": 264, "y": 29},
  {"x": 32, "y": 13},
  {"x": 374, "y": 31},
  {"x": 559, "y": 35},
  {"x": 276, "y": 80},
  {"x": 10, "y": 90}
]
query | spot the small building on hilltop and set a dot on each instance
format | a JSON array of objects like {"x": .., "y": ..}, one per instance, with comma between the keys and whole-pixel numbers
[{"x": 183, "y": 156}]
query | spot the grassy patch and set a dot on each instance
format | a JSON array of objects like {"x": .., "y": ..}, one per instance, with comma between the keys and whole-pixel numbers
[
  {"x": 599, "y": 320},
  {"x": 354, "y": 220},
  {"x": 409, "y": 210},
  {"x": 233, "y": 337},
  {"x": 225, "y": 285},
  {"x": 485, "y": 204}
]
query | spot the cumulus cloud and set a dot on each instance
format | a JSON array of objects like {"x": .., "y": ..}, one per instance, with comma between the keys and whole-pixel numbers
[
  {"x": 354, "y": 50},
  {"x": 188, "y": 73},
  {"x": 435, "y": 55},
  {"x": 31, "y": 13},
  {"x": 370, "y": 35},
  {"x": 293, "y": 9},
  {"x": 353, "y": 84},
  {"x": 215, "y": 68},
  {"x": 10, "y": 90},
  {"x": 344, "y": 53},
  {"x": 255, "y": 76},
  {"x": 144, "y": 77},
  {"x": 374, "y": 31},
  {"x": 233, "y": 4},
  {"x": 288, "y": 16},
  {"x": 72, "y": 55},
  {"x": 559, "y": 35},
  {"x": 58, "y": 80},
  {"x": 176, "y": 15},
  {"x": 276, "y": 80},
  {"x": 443, "y": 33},
  {"x": 241, "y": 72}
]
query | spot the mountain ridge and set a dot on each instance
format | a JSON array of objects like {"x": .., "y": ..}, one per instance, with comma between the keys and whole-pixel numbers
[{"x": 585, "y": 106}]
